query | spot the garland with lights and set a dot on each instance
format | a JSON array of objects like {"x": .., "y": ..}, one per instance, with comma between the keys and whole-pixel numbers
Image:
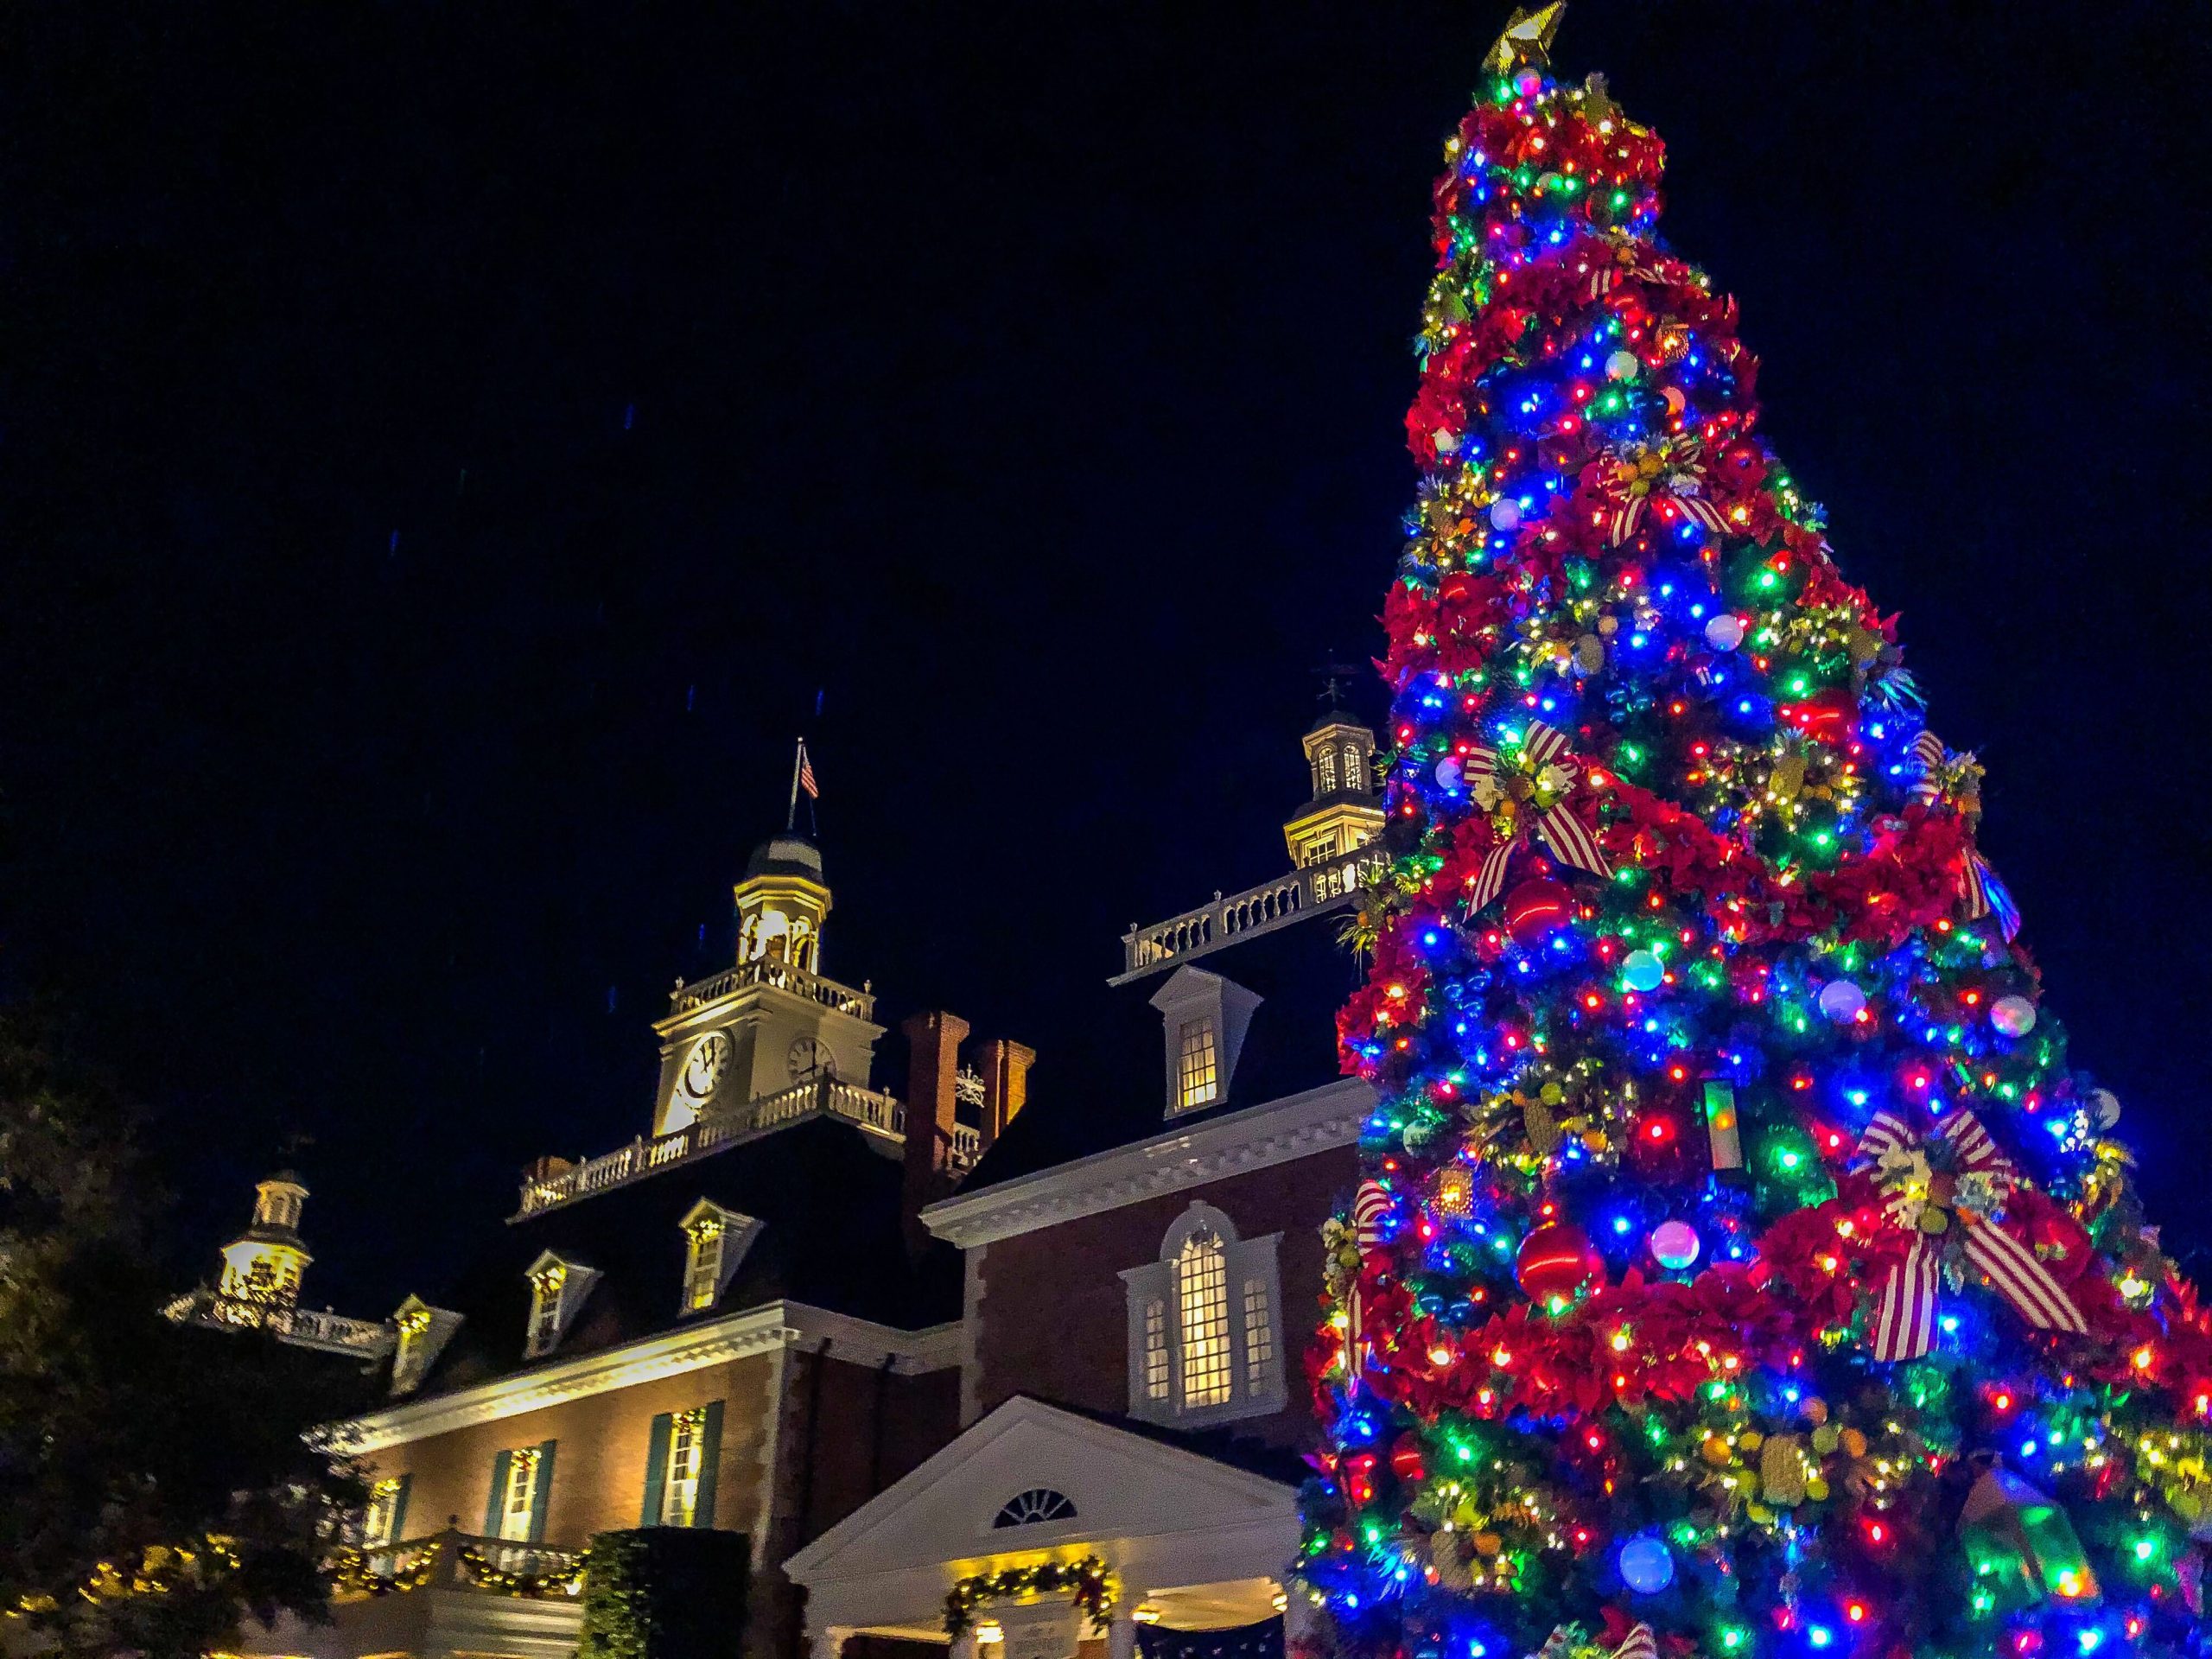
[
  {"x": 348, "y": 1572},
  {"x": 534, "y": 1587},
  {"x": 1087, "y": 1581},
  {"x": 1739, "y": 1265}
]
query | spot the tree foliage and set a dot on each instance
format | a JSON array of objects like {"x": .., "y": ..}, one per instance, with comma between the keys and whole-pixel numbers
[{"x": 154, "y": 1486}]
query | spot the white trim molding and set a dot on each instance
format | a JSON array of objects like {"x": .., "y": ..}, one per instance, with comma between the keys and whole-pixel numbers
[
  {"x": 1259, "y": 1137},
  {"x": 769, "y": 1328}
]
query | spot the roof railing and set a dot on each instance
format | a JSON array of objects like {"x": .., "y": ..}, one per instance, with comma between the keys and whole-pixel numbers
[
  {"x": 778, "y": 974},
  {"x": 1322, "y": 886},
  {"x": 820, "y": 1096}
]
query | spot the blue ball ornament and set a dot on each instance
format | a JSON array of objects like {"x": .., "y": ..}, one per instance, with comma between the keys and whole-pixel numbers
[
  {"x": 1647, "y": 1565},
  {"x": 1642, "y": 970}
]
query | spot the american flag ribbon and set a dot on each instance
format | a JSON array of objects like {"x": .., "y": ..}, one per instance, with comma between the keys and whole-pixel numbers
[
  {"x": 1565, "y": 834},
  {"x": 1370, "y": 1207},
  {"x": 1982, "y": 892},
  {"x": 1904, "y": 1317},
  {"x": 1638, "y": 1644}
]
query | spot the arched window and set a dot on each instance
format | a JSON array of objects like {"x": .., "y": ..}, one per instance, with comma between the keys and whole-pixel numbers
[
  {"x": 1034, "y": 1507},
  {"x": 1202, "y": 1321},
  {"x": 1324, "y": 772},
  {"x": 1352, "y": 768}
]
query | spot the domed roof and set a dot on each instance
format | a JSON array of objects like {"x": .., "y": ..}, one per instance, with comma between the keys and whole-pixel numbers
[
  {"x": 784, "y": 854},
  {"x": 1336, "y": 716}
]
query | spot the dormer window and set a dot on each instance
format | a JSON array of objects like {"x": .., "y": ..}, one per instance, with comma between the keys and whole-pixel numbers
[
  {"x": 408, "y": 1359},
  {"x": 715, "y": 1241},
  {"x": 557, "y": 1289},
  {"x": 1198, "y": 1080},
  {"x": 422, "y": 1331},
  {"x": 1205, "y": 1017},
  {"x": 1202, "y": 1323}
]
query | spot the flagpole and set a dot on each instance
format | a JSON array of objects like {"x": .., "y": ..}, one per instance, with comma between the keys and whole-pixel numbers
[{"x": 791, "y": 812}]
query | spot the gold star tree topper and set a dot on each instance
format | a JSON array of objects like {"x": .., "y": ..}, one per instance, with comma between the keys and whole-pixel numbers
[{"x": 1528, "y": 37}]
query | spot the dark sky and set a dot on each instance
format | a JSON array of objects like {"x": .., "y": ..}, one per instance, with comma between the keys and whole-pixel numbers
[{"x": 446, "y": 446}]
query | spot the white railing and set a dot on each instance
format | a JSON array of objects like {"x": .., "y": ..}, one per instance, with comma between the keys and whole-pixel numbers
[
  {"x": 1257, "y": 910},
  {"x": 883, "y": 1115},
  {"x": 303, "y": 1327},
  {"x": 456, "y": 1560},
  {"x": 966, "y": 1148},
  {"x": 783, "y": 977}
]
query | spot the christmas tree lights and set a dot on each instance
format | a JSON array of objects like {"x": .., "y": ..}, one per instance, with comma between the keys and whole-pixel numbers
[{"x": 1738, "y": 1267}]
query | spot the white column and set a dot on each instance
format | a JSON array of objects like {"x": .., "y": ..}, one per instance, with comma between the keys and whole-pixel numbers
[{"x": 1121, "y": 1635}]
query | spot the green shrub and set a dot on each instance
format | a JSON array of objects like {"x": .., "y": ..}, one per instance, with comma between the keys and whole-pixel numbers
[{"x": 665, "y": 1592}]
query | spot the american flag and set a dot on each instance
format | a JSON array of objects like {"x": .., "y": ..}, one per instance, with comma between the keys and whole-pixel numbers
[{"x": 806, "y": 775}]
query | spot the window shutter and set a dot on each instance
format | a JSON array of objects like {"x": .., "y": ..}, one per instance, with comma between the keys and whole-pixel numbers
[
  {"x": 657, "y": 1470},
  {"x": 543, "y": 1491},
  {"x": 500, "y": 1466},
  {"x": 710, "y": 1453},
  {"x": 399, "y": 1510}
]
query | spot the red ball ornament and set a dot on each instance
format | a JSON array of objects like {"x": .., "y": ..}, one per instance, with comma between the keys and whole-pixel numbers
[
  {"x": 1405, "y": 1458},
  {"x": 1558, "y": 1260},
  {"x": 1538, "y": 908}
]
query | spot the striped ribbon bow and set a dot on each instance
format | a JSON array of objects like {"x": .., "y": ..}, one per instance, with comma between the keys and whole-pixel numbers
[
  {"x": 1370, "y": 1207},
  {"x": 1528, "y": 791},
  {"x": 1946, "y": 775},
  {"x": 1566, "y": 1639},
  {"x": 1674, "y": 469},
  {"x": 1952, "y": 1183}
]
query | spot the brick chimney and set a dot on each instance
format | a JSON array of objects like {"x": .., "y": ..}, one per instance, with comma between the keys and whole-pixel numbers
[
  {"x": 1006, "y": 1084},
  {"x": 933, "y": 1057}
]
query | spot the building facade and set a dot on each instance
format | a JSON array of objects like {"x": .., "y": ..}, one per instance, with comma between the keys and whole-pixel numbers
[{"x": 902, "y": 1342}]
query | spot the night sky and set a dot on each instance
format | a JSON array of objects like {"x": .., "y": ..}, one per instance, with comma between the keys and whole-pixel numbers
[{"x": 448, "y": 446}]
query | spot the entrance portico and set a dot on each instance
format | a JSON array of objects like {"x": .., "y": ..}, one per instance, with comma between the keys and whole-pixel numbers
[{"x": 1192, "y": 1542}]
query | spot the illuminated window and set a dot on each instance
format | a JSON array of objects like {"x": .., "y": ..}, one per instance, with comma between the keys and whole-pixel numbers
[
  {"x": 1259, "y": 1335},
  {"x": 381, "y": 1523},
  {"x": 1155, "y": 1350},
  {"x": 680, "y": 1495},
  {"x": 546, "y": 1286},
  {"x": 1353, "y": 769},
  {"x": 1195, "y": 1071},
  {"x": 680, "y": 1467},
  {"x": 1321, "y": 849},
  {"x": 1202, "y": 1318},
  {"x": 1324, "y": 772},
  {"x": 518, "y": 1499},
  {"x": 702, "y": 1276}
]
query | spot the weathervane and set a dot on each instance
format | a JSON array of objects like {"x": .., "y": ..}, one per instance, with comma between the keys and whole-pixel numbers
[{"x": 1527, "y": 39}]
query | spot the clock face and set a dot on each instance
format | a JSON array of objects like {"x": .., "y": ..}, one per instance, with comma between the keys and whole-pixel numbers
[
  {"x": 703, "y": 1067},
  {"x": 809, "y": 1055}
]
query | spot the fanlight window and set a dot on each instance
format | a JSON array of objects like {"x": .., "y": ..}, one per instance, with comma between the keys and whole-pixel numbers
[{"x": 1039, "y": 1503}]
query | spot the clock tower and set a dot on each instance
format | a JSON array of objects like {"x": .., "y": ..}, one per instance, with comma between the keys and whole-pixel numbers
[{"x": 771, "y": 1024}]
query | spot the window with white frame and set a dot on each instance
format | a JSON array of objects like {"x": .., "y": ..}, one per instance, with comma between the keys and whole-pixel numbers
[
  {"x": 380, "y": 1523},
  {"x": 702, "y": 1274},
  {"x": 1324, "y": 772},
  {"x": 1202, "y": 1323},
  {"x": 1197, "y": 1067},
  {"x": 1353, "y": 769},
  {"x": 409, "y": 1360},
  {"x": 680, "y": 1496},
  {"x": 546, "y": 1286},
  {"x": 518, "y": 1499}
]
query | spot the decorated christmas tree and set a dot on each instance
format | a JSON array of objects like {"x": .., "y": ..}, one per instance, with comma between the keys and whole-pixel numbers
[{"x": 1739, "y": 1265}]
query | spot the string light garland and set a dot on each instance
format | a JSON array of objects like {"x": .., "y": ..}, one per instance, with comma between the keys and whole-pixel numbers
[
  {"x": 534, "y": 1587},
  {"x": 1738, "y": 1260},
  {"x": 1087, "y": 1580},
  {"x": 348, "y": 1572}
]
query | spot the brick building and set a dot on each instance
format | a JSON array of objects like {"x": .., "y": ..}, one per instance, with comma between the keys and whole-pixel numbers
[{"x": 894, "y": 1342}]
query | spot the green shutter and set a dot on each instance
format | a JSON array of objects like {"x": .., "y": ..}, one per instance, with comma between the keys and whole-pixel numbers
[
  {"x": 543, "y": 1491},
  {"x": 710, "y": 1455},
  {"x": 499, "y": 1467},
  {"x": 399, "y": 1510},
  {"x": 657, "y": 1470}
]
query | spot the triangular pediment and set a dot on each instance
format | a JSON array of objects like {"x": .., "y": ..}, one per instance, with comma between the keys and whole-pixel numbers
[{"x": 1123, "y": 1484}]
